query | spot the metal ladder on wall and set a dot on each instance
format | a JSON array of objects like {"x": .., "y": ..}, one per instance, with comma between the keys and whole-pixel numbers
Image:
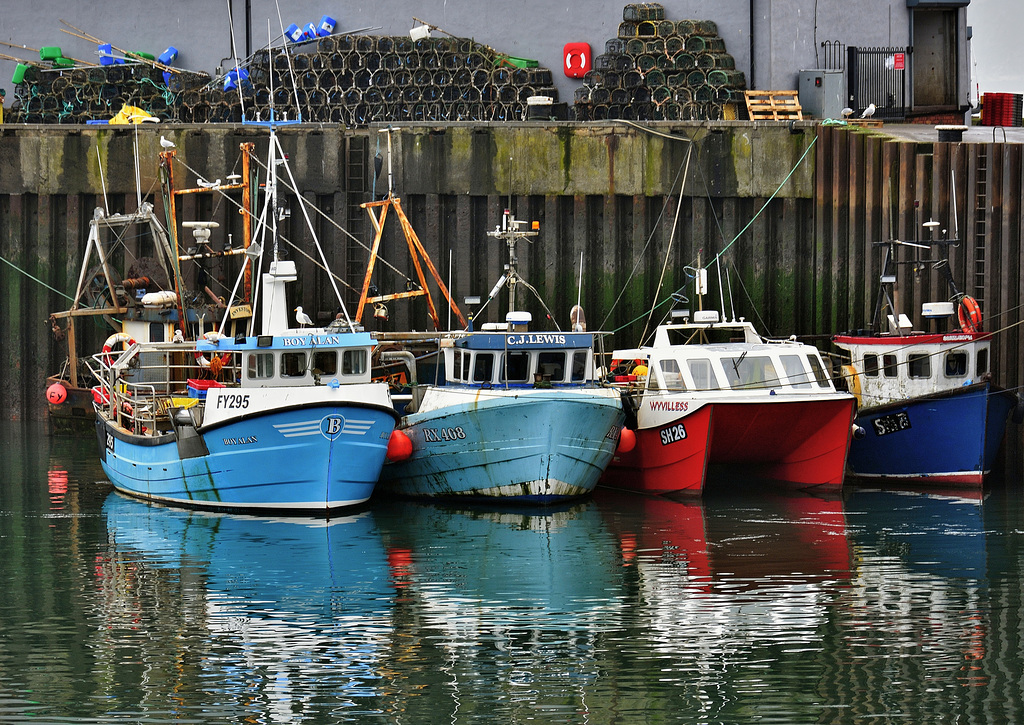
[
  {"x": 980, "y": 224},
  {"x": 355, "y": 185}
]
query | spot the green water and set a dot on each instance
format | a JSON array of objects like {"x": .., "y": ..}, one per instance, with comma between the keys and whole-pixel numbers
[{"x": 752, "y": 606}]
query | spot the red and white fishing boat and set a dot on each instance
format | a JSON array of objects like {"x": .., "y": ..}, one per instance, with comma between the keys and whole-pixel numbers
[{"x": 711, "y": 392}]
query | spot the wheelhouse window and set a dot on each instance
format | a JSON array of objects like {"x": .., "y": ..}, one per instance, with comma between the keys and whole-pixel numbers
[
  {"x": 956, "y": 364},
  {"x": 325, "y": 362},
  {"x": 483, "y": 367},
  {"x": 672, "y": 375},
  {"x": 579, "y": 366},
  {"x": 552, "y": 366},
  {"x": 260, "y": 365},
  {"x": 871, "y": 365},
  {"x": 353, "y": 362},
  {"x": 293, "y": 364},
  {"x": 819, "y": 372},
  {"x": 704, "y": 377},
  {"x": 889, "y": 366},
  {"x": 517, "y": 367},
  {"x": 982, "y": 366},
  {"x": 795, "y": 373},
  {"x": 457, "y": 365},
  {"x": 751, "y": 372},
  {"x": 919, "y": 365}
]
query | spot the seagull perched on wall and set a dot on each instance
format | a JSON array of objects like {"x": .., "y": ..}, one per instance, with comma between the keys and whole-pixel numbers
[
  {"x": 869, "y": 111},
  {"x": 846, "y": 113},
  {"x": 301, "y": 317},
  {"x": 167, "y": 143}
]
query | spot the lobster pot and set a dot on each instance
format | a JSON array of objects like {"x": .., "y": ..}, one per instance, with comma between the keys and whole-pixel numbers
[
  {"x": 704, "y": 94},
  {"x": 641, "y": 94},
  {"x": 674, "y": 44},
  {"x": 696, "y": 78},
  {"x": 582, "y": 94},
  {"x": 620, "y": 96},
  {"x": 601, "y": 96},
  {"x": 385, "y": 44},
  {"x": 655, "y": 78},
  {"x": 635, "y": 46},
  {"x": 365, "y": 44},
  {"x": 404, "y": 45},
  {"x": 705, "y": 61},
  {"x": 627, "y": 30},
  {"x": 706, "y": 27},
  {"x": 612, "y": 80},
  {"x": 429, "y": 60},
  {"x": 370, "y": 61},
  {"x": 696, "y": 44},
  {"x": 475, "y": 60},
  {"x": 643, "y": 11},
  {"x": 724, "y": 61},
  {"x": 683, "y": 96},
  {"x": 684, "y": 61},
  {"x": 615, "y": 46},
  {"x": 646, "y": 62},
  {"x": 632, "y": 79},
  {"x": 646, "y": 29},
  {"x": 666, "y": 28},
  {"x": 671, "y": 111}
]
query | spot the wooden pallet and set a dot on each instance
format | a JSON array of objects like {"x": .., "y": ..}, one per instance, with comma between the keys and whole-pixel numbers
[
  {"x": 865, "y": 122},
  {"x": 773, "y": 106}
]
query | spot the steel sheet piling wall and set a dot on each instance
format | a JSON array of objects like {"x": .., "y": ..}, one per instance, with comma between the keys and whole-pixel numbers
[{"x": 806, "y": 264}]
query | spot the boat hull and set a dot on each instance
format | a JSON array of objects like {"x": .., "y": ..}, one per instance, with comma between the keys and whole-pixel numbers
[
  {"x": 950, "y": 438},
  {"x": 670, "y": 457},
  {"x": 525, "y": 445},
  {"x": 310, "y": 458},
  {"x": 801, "y": 441}
]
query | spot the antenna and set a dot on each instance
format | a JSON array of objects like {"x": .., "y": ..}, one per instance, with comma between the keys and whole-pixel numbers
[
  {"x": 956, "y": 221},
  {"x": 234, "y": 53}
]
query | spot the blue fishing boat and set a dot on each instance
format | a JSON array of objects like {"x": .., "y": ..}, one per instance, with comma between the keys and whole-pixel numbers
[
  {"x": 928, "y": 408},
  {"x": 517, "y": 415},
  {"x": 286, "y": 418}
]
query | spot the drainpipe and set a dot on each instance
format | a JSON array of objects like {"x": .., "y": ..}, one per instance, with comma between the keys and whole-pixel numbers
[{"x": 753, "y": 83}]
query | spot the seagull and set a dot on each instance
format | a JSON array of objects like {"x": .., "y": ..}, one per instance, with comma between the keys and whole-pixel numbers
[
  {"x": 869, "y": 111},
  {"x": 846, "y": 112},
  {"x": 301, "y": 317},
  {"x": 178, "y": 337},
  {"x": 167, "y": 143}
]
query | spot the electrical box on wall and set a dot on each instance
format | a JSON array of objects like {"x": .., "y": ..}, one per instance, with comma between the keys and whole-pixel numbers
[{"x": 822, "y": 93}]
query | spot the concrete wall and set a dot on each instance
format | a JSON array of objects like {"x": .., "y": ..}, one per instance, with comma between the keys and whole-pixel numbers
[{"x": 787, "y": 33}]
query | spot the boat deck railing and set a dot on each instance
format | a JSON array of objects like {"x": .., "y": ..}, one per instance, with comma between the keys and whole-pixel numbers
[{"x": 138, "y": 388}]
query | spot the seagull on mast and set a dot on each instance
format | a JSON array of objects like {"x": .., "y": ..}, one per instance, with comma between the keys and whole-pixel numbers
[
  {"x": 167, "y": 143},
  {"x": 301, "y": 317}
]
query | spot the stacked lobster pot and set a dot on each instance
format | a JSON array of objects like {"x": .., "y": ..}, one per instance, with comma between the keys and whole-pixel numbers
[
  {"x": 658, "y": 69},
  {"x": 361, "y": 79}
]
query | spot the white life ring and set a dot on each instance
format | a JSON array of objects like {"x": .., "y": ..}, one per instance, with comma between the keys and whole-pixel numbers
[
  {"x": 108, "y": 345},
  {"x": 572, "y": 67}
]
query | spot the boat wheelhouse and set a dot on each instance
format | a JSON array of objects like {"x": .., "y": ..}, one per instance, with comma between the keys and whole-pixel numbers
[{"x": 710, "y": 392}]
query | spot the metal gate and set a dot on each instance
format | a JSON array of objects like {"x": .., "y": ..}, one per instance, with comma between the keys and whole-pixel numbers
[{"x": 879, "y": 76}]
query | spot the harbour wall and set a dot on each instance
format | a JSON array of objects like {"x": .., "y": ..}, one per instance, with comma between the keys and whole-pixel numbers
[{"x": 794, "y": 210}]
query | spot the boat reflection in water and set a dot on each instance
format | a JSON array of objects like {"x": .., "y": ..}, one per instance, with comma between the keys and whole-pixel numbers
[
  {"x": 727, "y": 573},
  {"x": 499, "y": 594},
  {"x": 282, "y": 610}
]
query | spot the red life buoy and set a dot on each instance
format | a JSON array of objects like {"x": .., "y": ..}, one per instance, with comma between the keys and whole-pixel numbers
[
  {"x": 578, "y": 59},
  {"x": 114, "y": 339},
  {"x": 969, "y": 314}
]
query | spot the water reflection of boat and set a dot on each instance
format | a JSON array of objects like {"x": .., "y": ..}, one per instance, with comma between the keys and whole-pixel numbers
[
  {"x": 722, "y": 575},
  {"x": 286, "y": 596},
  {"x": 510, "y": 565},
  {"x": 936, "y": 533}
]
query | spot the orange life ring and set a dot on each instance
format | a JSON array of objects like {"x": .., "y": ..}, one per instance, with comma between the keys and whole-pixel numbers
[
  {"x": 114, "y": 339},
  {"x": 969, "y": 314}
]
